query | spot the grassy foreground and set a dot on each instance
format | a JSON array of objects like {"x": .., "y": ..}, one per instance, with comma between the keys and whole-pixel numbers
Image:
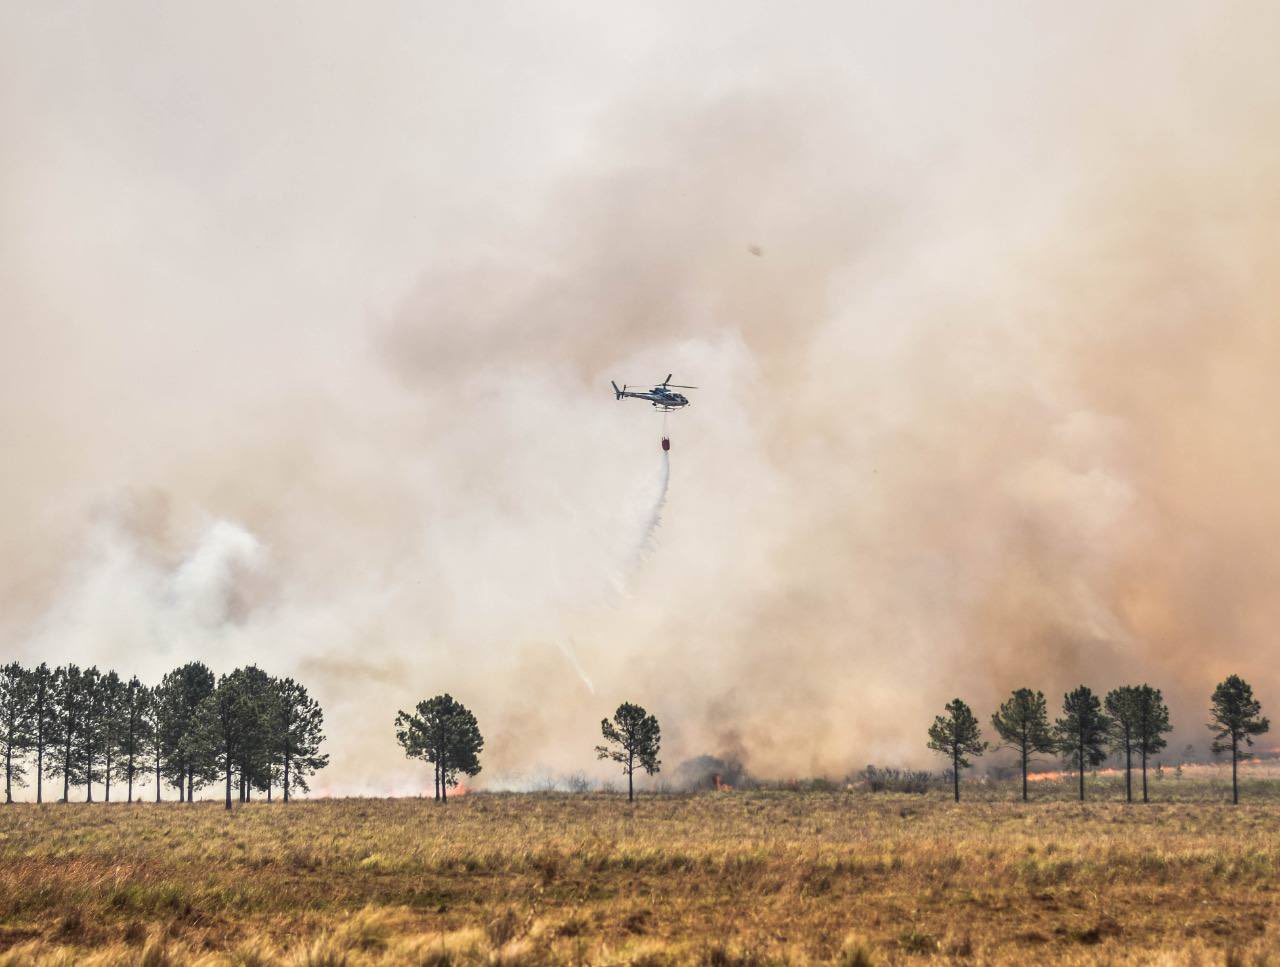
[{"x": 714, "y": 878}]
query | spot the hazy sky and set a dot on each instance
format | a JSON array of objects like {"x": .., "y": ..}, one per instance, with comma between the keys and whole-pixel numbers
[{"x": 308, "y": 313}]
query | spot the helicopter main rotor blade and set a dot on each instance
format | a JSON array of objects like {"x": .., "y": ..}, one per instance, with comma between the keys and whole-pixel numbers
[{"x": 679, "y": 386}]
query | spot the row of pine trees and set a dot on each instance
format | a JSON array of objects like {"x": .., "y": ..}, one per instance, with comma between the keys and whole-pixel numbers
[
  {"x": 1131, "y": 722},
  {"x": 87, "y": 728}
]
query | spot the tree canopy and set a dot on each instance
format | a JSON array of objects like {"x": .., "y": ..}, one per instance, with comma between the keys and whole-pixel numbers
[
  {"x": 957, "y": 736},
  {"x": 1235, "y": 718},
  {"x": 1022, "y": 723},
  {"x": 632, "y": 739},
  {"x": 93, "y": 729},
  {"x": 1082, "y": 732},
  {"x": 445, "y": 733}
]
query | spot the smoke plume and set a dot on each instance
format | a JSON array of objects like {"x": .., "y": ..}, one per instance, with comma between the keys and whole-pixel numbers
[{"x": 308, "y": 325}]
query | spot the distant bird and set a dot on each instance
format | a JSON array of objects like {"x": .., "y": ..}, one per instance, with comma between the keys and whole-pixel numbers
[{"x": 755, "y": 250}]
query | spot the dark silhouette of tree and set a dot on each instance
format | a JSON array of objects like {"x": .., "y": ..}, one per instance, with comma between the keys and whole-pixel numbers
[
  {"x": 225, "y": 726},
  {"x": 134, "y": 731},
  {"x": 298, "y": 732},
  {"x": 442, "y": 731},
  {"x": 1151, "y": 722},
  {"x": 957, "y": 736},
  {"x": 43, "y": 718},
  {"x": 633, "y": 739},
  {"x": 153, "y": 715},
  {"x": 112, "y": 696},
  {"x": 181, "y": 692},
  {"x": 91, "y": 731},
  {"x": 1237, "y": 719},
  {"x": 253, "y": 762},
  {"x": 1022, "y": 723},
  {"x": 69, "y": 698},
  {"x": 1082, "y": 732},
  {"x": 1122, "y": 713},
  {"x": 15, "y": 724},
  {"x": 87, "y": 727}
]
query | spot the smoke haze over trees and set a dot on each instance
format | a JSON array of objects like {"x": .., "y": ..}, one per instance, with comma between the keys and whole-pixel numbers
[{"x": 306, "y": 347}]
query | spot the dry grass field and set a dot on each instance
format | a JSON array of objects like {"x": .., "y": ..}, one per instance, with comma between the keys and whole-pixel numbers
[{"x": 730, "y": 878}]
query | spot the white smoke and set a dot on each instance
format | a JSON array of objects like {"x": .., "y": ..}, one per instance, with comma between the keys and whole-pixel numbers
[
  {"x": 125, "y": 598},
  {"x": 980, "y": 308}
]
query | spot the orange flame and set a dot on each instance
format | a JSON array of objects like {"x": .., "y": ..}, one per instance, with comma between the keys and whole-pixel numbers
[{"x": 1055, "y": 776}]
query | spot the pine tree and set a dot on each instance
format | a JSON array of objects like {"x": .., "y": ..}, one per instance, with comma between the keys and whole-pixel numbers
[
  {"x": 153, "y": 716},
  {"x": 1237, "y": 719},
  {"x": 1122, "y": 712},
  {"x": 135, "y": 732},
  {"x": 113, "y": 696},
  {"x": 1023, "y": 724},
  {"x": 181, "y": 693},
  {"x": 633, "y": 739},
  {"x": 443, "y": 732},
  {"x": 1151, "y": 722},
  {"x": 91, "y": 732},
  {"x": 1082, "y": 732},
  {"x": 68, "y": 700},
  {"x": 957, "y": 736},
  {"x": 223, "y": 728},
  {"x": 15, "y": 724},
  {"x": 298, "y": 733},
  {"x": 253, "y": 762},
  {"x": 43, "y": 719}
]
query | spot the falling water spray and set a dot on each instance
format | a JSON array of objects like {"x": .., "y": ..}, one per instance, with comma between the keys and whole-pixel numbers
[{"x": 659, "y": 501}]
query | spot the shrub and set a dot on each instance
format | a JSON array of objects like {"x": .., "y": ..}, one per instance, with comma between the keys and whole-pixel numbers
[{"x": 897, "y": 780}]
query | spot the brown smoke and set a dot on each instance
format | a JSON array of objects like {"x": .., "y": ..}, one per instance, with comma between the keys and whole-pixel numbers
[{"x": 309, "y": 366}]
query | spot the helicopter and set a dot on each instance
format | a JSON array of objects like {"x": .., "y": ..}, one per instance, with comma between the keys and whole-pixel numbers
[{"x": 660, "y": 396}]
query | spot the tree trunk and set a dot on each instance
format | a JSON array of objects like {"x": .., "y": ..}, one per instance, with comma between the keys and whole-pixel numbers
[
  {"x": 66, "y": 773},
  {"x": 1128, "y": 772},
  {"x": 228, "y": 783},
  {"x": 88, "y": 775},
  {"x": 40, "y": 768},
  {"x": 191, "y": 782},
  {"x": 1025, "y": 758},
  {"x": 8, "y": 774},
  {"x": 106, "y": 796},
  {"x": 435, "y": 766},
  {"x": 1144, "y": 773},
  {"x": 1235, "y": 789},
  {"x": 1081, "y": 765},
  {"x": 631, "y": 772},
  {"x": 129, "y": 769},
  {"x": 955, "y": 773},
  {"x": 157, "y": 775},
  {"x": 287, "y": 757}
]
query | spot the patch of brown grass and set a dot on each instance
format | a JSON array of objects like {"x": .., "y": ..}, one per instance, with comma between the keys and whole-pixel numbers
[{"x": 747, "y": 878}]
